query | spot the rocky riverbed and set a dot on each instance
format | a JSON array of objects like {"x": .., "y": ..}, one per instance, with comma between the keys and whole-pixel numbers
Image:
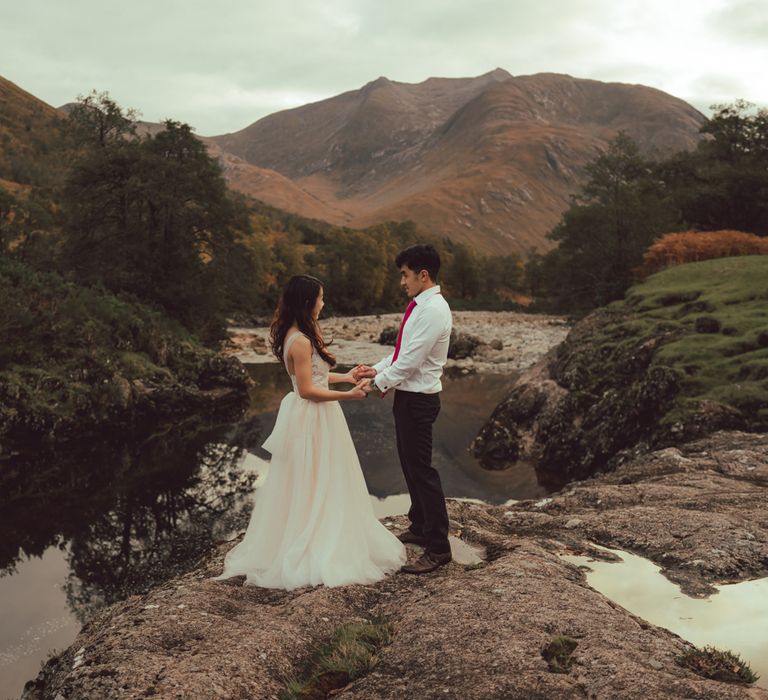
[
  {"x": 700, "y": 511},
  {"x": 509, "y": 341}
]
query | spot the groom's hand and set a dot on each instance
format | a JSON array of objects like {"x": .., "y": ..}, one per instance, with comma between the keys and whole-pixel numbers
[{"x": 363, "y": 372}]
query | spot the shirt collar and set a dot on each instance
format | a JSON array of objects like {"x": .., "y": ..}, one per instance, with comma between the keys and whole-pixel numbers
[{"x": 427, "y": 294}]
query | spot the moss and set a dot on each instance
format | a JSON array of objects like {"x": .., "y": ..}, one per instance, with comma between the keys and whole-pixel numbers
[
  {"x": 349, "y": 653},
  {"x": 67, "y": 351},
  {"x": 137, "y": 365},
  {"x": 716, "y": 664},
  {"x": 729, "y": 366}
]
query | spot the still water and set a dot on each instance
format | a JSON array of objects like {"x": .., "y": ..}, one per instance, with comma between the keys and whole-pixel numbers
[
  {"x": 84, "y": 528},
  {"x": 734, "y": 618}
]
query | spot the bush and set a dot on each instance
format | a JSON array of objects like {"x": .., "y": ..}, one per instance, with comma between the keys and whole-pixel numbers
[{"x": 692, "y": 246}]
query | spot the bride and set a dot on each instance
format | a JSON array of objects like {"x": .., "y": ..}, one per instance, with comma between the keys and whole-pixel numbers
[{"x": 312, "y": 521}]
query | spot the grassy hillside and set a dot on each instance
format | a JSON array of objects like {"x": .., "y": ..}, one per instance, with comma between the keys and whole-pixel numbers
[
  {"x": 711, "y": 322},
  {"x": 683, "y": 355},
  {"x": 30, "y": 136}
]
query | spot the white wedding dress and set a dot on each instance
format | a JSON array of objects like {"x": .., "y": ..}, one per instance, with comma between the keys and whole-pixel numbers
[{"x": 312, "y": 521}]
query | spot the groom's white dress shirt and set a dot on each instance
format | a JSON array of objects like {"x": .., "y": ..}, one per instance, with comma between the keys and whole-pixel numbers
[{"x": 423, "y": 348}]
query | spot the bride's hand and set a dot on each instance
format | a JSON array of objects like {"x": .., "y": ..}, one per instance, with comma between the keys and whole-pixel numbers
[{"x": 356, "y": 394}]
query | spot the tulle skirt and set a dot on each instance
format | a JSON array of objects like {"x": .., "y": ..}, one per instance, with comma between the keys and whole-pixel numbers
[{"x": 313, "y": 521}]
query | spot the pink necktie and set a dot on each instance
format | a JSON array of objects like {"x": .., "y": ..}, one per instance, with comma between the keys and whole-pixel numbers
[{"x": 408, "y": 311}]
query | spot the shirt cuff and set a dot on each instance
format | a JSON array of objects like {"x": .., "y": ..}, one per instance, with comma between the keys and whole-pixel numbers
[{"x": 382, "y": 384}]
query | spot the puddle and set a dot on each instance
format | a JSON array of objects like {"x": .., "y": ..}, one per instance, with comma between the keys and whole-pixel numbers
[{"x": 733, "y": 619}]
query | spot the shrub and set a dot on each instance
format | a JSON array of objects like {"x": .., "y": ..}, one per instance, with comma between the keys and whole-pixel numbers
[
  {"x": 692, "y": 246},
  {"x": 717, "y": 664}
]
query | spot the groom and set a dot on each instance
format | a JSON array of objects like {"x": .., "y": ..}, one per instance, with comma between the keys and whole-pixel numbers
[{"x": 413, "y": 370}]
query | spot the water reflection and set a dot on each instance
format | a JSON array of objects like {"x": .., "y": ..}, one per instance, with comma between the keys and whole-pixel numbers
[
  {"x": 733, "y": 619},
  {"x": 129, "y": 515},
  {"x": 467, "y": 401}
]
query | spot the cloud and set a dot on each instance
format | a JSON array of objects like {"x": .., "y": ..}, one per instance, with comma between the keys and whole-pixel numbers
[
  {"x": 746, "y": 20},
  {"x": 222, "y": 67}
]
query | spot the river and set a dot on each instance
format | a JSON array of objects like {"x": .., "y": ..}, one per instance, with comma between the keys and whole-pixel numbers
[{"x": 87, "y": 526}]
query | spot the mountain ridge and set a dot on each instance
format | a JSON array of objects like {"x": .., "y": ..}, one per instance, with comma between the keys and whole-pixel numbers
[{"x": 441, "y": 151}]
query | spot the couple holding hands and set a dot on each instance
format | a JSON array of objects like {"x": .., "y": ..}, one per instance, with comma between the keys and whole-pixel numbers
[{"x": 312, "y": 521}]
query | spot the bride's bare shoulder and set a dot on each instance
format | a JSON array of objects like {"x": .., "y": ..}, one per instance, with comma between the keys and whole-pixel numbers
[{"x": 302, "y": 344}]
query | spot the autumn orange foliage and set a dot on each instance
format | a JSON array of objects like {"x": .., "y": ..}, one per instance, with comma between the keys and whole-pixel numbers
[{"x": 690, "y": 246}]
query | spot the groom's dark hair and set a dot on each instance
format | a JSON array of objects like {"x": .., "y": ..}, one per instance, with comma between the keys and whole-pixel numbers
[{"x": 420, "y": 257}]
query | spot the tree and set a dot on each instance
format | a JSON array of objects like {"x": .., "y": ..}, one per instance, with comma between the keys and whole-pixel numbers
[
  {"x": 723, "y": 184},
  {"x": 97, "y": 120},
  {"x": 463, "y": 275},
  {"x": 151, "y": 216},
  {"x": 604, "y": 232}
]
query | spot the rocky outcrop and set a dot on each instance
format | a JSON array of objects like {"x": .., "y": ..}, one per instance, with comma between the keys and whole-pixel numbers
[
  {"x": 467, "y": 632},
  {"x": 580, "y": 406}
]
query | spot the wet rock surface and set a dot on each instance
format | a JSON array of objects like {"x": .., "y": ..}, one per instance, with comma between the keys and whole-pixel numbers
[
  {"x": 462, "y": 631},
  {"x": 699, "y": 511}
]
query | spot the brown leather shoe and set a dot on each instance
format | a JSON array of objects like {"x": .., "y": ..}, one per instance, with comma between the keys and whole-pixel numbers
[
  {"x": 409, "y": 537},
  {"x": 429, "y": 561}
]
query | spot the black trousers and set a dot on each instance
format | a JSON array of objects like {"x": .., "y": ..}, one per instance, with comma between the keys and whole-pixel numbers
[{"x": 414, "y": 416}]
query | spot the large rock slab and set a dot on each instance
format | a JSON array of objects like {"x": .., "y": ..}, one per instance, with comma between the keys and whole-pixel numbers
[{"x": 463, "y": 631}]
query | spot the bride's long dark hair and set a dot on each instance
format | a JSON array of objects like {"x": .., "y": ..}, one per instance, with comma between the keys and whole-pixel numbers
[{"x": 296, "y": 305}]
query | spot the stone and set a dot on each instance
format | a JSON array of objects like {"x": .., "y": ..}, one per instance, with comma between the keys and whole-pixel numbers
[
  {"x": 462, "y": 345},
  {"x": 467, "y": 618},
  {"x": 574, "y": 414}
]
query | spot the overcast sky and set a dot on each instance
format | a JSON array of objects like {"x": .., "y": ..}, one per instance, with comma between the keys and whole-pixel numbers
[{"x": 222, "y": 65}]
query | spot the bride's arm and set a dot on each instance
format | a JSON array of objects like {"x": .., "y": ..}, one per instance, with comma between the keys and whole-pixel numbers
[
  {"x": 336, "y": 378},
  {"x": 301, "y": 353}
]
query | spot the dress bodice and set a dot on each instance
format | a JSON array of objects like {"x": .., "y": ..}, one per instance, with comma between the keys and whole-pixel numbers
[{"x": 320, "y": 368}]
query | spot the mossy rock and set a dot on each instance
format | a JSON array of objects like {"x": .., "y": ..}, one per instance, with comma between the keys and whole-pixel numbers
[{"x": 649, "y": 370}]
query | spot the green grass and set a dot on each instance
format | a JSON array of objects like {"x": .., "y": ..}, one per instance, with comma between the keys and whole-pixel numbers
[
  {"x": 717, "y": 664},
  {"x": 728, "y": 367},
  {"x": 349, "y": 653}
]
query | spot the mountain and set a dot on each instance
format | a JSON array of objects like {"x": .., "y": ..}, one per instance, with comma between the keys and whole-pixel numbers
[{"x": 490, "y": 161}]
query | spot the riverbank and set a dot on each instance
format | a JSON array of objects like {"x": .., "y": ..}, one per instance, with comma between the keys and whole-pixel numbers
[
  {"x": 78, "y": 361},
  {"x": 510, "y": 341},
  {"x": 475, "y": 631}
]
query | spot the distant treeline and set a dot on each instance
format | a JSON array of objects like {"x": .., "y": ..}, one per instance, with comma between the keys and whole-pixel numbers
[
  {"x": 358, "y": 266},
  {"x": 149, "y": 217}
]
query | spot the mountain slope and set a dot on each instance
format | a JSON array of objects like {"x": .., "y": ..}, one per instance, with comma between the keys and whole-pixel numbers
[
  {"x": 29, "y": 129},
  {"x": 490, "y": 160}
]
